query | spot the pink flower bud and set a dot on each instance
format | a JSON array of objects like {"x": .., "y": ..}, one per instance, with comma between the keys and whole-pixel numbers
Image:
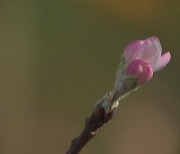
[
  {"x": 139, "y": 70},
  {"x": 148, "y": 50}
]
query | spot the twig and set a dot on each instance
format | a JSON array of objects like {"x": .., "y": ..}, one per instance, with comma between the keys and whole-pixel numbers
[
  {"x": 140, "y": 59},
  {"x": 102, "y": 113}
]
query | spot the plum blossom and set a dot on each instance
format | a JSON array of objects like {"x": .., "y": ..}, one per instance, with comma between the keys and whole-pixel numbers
[
  {"x": 143, "y": 57},
  {"x": 140, "y": 70}
]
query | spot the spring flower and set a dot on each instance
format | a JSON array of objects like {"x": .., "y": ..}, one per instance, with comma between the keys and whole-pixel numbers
[
  {"x": 140, "y": 70},
  {"x": 143, "y": 57}
]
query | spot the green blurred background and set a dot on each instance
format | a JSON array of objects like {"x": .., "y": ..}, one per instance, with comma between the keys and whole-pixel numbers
[{"x": 57, "y": 58}]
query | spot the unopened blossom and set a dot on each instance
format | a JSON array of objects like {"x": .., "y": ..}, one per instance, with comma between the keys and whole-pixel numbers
[
  {"x": 140, "y": 70},
  {"x": 143, "y": 57}
]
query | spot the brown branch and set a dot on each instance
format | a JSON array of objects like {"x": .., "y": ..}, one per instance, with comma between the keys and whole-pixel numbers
[
  {"x": 93, "y": 124},
  {"x": 102, "y": 113}
]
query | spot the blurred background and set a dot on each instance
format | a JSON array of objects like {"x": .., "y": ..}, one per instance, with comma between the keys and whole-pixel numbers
[{"x": 57, "y": 58}]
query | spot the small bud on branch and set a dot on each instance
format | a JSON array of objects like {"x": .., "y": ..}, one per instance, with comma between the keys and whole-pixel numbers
[{"x": 140, "y": 59}]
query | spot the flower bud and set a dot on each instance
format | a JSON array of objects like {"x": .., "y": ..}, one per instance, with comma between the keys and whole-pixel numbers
[
  {"x": 148, "y": 50},
  {"x": 139, "y": 70}
]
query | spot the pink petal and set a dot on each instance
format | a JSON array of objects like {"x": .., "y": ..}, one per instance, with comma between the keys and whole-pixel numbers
[
  {"x": 139, "y": 70},
  {"x": 149, "y": 50},
  {"x": 132, "y": 50},
  {"x": 162, "y": 62},
  {"x": 156, "y": 44},
  {"x": 146, "y": 75},
  {"x": 152, "y": 50},
  {"x": 134, "y": 68},
  {"x": 156, "y": 50}
]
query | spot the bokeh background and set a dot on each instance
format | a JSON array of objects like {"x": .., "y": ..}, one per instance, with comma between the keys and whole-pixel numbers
[{"x": 57, "y": 58}]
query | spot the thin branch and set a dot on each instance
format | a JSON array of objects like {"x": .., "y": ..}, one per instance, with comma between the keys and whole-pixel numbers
[
  {"x": 134, "y": 71},
  {"x": 93, "y": 124},
  {"x": 102, "y": 113}
]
